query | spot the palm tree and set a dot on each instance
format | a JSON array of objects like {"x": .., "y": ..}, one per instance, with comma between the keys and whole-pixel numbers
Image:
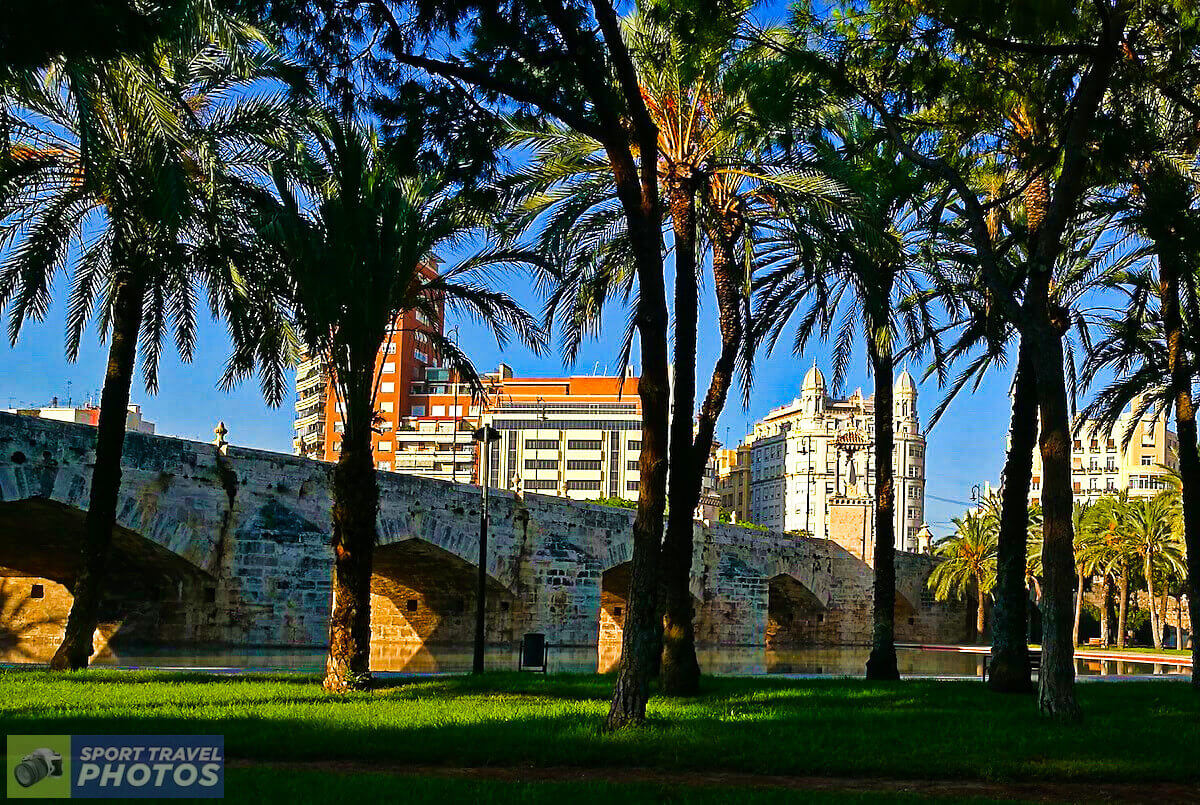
[
  {"x": 1105, "y": 551},
  {"x": 1082, "y": 526},
  {"x": 357, "y": 259},
  {"x": 1151, "y": 344},
  {"x": 716, "y": 189},
  {"x": 135, "y": 160},
  {"x": 983, "y": 339},
  {"x": 1150, "y": 531},
  {"x": 969, "y": 561},
  {"x": 858, "y": 277}
]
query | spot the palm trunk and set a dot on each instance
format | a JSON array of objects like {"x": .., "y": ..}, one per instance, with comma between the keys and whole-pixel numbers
[
  {"x": 979, "y": 624},
  {"x": 1010, "y": 617},
  {"x": 1148, "y": 570},
  {"x": 1078, "y": 602},
  {"x": 1105, "y": 610},
  {"x": 1185, "y": 427},
  {"x": 1122, "y": 605},
  {"x": 1056, "y": 679},
  {"x": 679, "y": 673},
  {"x": 101, "y": 517},
  {"x": 642, "y": 633},
  {"x": 881, "y": 664},
  {"x": 355, "y": 510}
]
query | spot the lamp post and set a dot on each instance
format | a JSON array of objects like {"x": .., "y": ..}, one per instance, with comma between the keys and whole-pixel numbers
[
  {"x": 457, "y": 418},
  {"x": 486, "y": 436}
]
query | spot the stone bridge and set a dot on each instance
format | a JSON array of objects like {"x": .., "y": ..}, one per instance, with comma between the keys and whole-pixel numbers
[{"x": 231, "y": 546}]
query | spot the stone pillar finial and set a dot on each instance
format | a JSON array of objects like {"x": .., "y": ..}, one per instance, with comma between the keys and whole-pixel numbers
[{"x": 220, "y": 431}]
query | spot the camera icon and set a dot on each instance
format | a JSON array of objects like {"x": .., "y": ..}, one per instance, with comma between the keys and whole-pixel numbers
[{"x": 38, "y": 765}]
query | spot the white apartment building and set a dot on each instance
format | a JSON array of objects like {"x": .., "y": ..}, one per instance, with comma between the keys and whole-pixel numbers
[
  {"x": 553, "y": 445},
  {"x": 1102, "y": 465},
  {"x": 816, "y": 448}
]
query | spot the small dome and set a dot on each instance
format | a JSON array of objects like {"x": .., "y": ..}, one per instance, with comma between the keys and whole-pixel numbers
[
  {"x": 905, "y": 383},
  {"x": 814, "y": 380}
]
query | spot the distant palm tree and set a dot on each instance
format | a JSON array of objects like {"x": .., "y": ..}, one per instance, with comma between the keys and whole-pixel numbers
[
  {"x": 1105, "y": 552},
  {"x": 1151, "y": 531},
  {"x": 357, "y": 258},
  {"x": 134, "y": 160},
  {"x": 969, "y": 561}
]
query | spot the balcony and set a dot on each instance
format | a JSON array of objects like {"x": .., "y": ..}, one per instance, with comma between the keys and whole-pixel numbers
[
  {"x": 315, "y": 418},
  {"x": 309, "y": 381},
  {"x": 307, "y": 403}
]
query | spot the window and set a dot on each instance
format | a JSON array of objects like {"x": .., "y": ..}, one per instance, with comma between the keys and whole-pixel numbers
[
  {"x": 585, "y": 444},
  {"x": 632, "y": 486},
  {"x": 583, "y": 464},
  {"x": 1110, "y": 484},
  {"x": 384, "y": 465},
  {"x": 391, "y": 349},
  {"x": 387, "y": 388},
  {"x": 384, "y": 447},
  {"x": 438, "y": 410},
  {"x": 339, "y": 427},
  {"x": 37, "y": 591},
  {"x": 633, "y": 465},
  {"x": 387, "y": 407},
  {"x": 540, "y": 483},
  {"x": 541, "y": 463},
  {"x": 1078, "y": 444},
  {"x": 1147, "y": 461},
  {"x": 389, "y": 368},
  {"x": 1035, "y": 483},
  {"x": 541, "y": 444},
  {"x": 1111, "y": 466},
  {"x": 1094, "y": 446},
  {"x": 1111, "y": 445},
  {"x": 418, "y": 410},
  {"x": 581, "y": 485},
  {"x": 1094, "y": 483},
  {"x": 635, "y": 444}
]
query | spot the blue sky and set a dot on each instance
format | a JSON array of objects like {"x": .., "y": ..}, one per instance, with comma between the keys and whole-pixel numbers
[{"x": 966, "y": 447}]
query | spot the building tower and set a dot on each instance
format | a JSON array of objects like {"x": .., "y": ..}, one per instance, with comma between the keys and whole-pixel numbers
[{"x": 812, "y": 393}]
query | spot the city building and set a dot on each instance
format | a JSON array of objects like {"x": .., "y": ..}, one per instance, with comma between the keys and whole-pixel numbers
[
  {"x": 816, "y": 450},
  {"x": 575, "y": 437},
  {"x": 86, "y": 415},
  {"x": 1100, "y": 465},
  {"x": 733, "y": 481},
  {"x": 402, "y": 364}
]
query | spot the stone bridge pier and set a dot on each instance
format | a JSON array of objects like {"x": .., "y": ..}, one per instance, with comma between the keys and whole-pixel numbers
[{"x": 231, "y": 547}]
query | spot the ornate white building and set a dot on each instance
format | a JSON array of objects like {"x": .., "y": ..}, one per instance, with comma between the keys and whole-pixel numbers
[{"x": 817, "y": 448}]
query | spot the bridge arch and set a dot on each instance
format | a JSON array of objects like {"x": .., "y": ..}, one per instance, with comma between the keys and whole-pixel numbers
[
  {"x": 795, "y": 615},
  {"x": 422, "y": 594},
  {"x": 151, "y": 593}
]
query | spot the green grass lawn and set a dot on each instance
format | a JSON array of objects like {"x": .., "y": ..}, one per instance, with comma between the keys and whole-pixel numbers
[{"x": 1137, "y": 731}]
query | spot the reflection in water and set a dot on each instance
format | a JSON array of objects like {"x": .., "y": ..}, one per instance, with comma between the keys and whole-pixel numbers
[{"x": 414, "y": 658}]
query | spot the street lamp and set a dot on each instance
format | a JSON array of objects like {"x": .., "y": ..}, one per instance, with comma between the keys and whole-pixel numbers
[
  {"x": 486, "y": 436},
  {"x": 457, "y": 417}
]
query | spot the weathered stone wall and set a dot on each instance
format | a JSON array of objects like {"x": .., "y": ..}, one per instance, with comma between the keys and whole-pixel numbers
[{"x": 233, "y": 547}]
